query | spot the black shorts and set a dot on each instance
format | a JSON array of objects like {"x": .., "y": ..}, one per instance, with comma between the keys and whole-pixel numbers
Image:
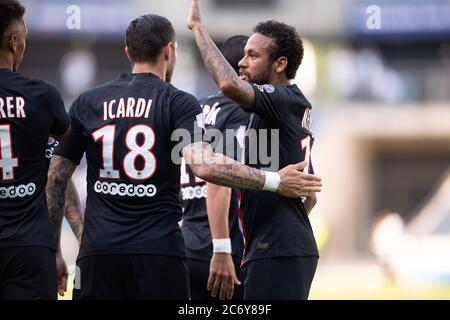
[
  {"x": 198, "y": 280},
  {"x": 131, "y": 277},
  {"x": 280, "y": 278},
  {"x": 28, "y": 273}
]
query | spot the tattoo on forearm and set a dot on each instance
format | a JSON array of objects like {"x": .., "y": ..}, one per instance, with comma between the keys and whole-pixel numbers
[
  {"x": 237, "y": 176},
  {"x": 221, "y": 169},
  {"x": 60, "y": 171},
  {"x": 219, "y": 68},
  {"x": 216, "y": 64},
  {"x": 72, "y": 210}
]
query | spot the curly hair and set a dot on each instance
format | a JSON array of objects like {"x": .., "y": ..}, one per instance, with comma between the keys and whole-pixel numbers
[
  {"x": 10, "y": 11},
  {"x": 287, "y": 43}
]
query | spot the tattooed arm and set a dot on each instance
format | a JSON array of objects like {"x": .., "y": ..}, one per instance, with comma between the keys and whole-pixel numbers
[
  {"x": 61, "y": 169},
  {"x": 221, "y": 170},
  {"x": 224, "y": 75},
  {"x": 59, "y": 173},
  {"x": 72, "y": 211}
]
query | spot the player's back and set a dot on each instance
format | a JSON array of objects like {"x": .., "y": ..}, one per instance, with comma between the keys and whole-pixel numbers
[
  {"x": 30, "y": 110},
  {"x": 126, "y": 125}
]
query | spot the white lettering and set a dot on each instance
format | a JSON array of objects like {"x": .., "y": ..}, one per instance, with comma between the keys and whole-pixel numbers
[
  {"x": 149, "y": 106},
  {"x": 74, "y": 20},
  {"x": 121, "y": 109},
  {"x": 9, "y": 106},
  {"x": 191, "y": 193},
  {"x": 126, "y": 108},
  {"x": 105, "y": 111},
  {"x": 14, "y": 107},
  {"x": 125, "y": 190},
  {"x": 130, "y": 107},
  {"x": 20, "y": 105},
  {"x": 110, "y": 112},
  {"x": 140, "y": 108},
  {"x": 2, "y": 112},
  {"x": 20, "y": 191},
  {"x": 374, "y": 19}
]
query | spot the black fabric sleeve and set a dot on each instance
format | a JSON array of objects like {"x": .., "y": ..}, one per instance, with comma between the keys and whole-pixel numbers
[
  {"x": 187, "y": 115},
  {"x": 72, "y": 147},
  {"x": 271, "y": 102},
  {"x": 61, "y": 121},
  {"x": 234, "y": 121}
]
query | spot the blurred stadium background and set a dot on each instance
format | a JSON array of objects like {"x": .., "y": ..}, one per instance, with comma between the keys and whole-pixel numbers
[{"x": 381, "y": 102}]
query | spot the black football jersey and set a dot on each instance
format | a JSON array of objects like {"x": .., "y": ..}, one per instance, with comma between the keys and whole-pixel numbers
[
  {"x": 125, "y": 127},
  {"x": 275, "y": 225},
  {"x": 222, "y": 114},
  {"x": 30, "y": 111}
]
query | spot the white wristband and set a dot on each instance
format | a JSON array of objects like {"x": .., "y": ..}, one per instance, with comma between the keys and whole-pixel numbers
[
  {"x": 221, "y": 245},
  {"x": 272, "y": 182}
]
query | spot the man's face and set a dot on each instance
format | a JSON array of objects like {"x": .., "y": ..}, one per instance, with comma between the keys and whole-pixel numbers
[
  {"x": 19, "y": 32},
  {"x": 256, "y": 66}
]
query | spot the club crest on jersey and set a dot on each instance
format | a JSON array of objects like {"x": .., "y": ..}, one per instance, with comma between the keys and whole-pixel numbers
[{"x": 266, "y": 88}]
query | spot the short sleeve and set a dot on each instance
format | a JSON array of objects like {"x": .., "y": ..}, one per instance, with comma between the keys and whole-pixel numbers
[
  {"x": 234, "y": 120},
  {"x": 271, "y": 102},
  {"x": 72, "y": 147},
  {"x": 187, "y": 115},
  {"x": 232, "y": 126},
  {"x": 60, "y": 119}
]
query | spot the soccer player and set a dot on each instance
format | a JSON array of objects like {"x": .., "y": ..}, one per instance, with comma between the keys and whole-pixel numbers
[
  {"x": 132, "y": 246},
  {"x": 279, "y": 240},
  {"x": 221, "y": 115},
  {"x": 30, "y": 111}
]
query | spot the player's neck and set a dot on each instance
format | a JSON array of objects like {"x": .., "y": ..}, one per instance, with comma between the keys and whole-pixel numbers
[
  {"x": 5, "y": 62},
  {"x": 280, "y": 80},
  {"x": 148, "y": 68}
]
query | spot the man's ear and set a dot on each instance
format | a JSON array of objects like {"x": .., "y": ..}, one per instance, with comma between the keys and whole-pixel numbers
[
  {"x": 281, "y": 64},
  {"x": 168, "y": 50},
  {"x": 127, "y": 52},
  {"x": 12, "y": 43}
]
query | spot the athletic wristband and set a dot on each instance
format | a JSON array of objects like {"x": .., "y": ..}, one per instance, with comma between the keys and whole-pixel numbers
[
  {"x": 272, "y": 182},
  {"x": 221, "y": 245}
]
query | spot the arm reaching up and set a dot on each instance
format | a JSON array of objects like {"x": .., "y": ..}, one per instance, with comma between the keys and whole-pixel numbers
[{"x": 218, "y": 67}]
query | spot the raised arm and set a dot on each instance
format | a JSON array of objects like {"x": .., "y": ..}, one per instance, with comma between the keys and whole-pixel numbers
[
  {"x": 60, "y": 171},
  {"x": 223, "y": 74}
]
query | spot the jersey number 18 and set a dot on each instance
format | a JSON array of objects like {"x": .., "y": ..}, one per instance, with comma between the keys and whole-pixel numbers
[{"x": 108, "y": 136}]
